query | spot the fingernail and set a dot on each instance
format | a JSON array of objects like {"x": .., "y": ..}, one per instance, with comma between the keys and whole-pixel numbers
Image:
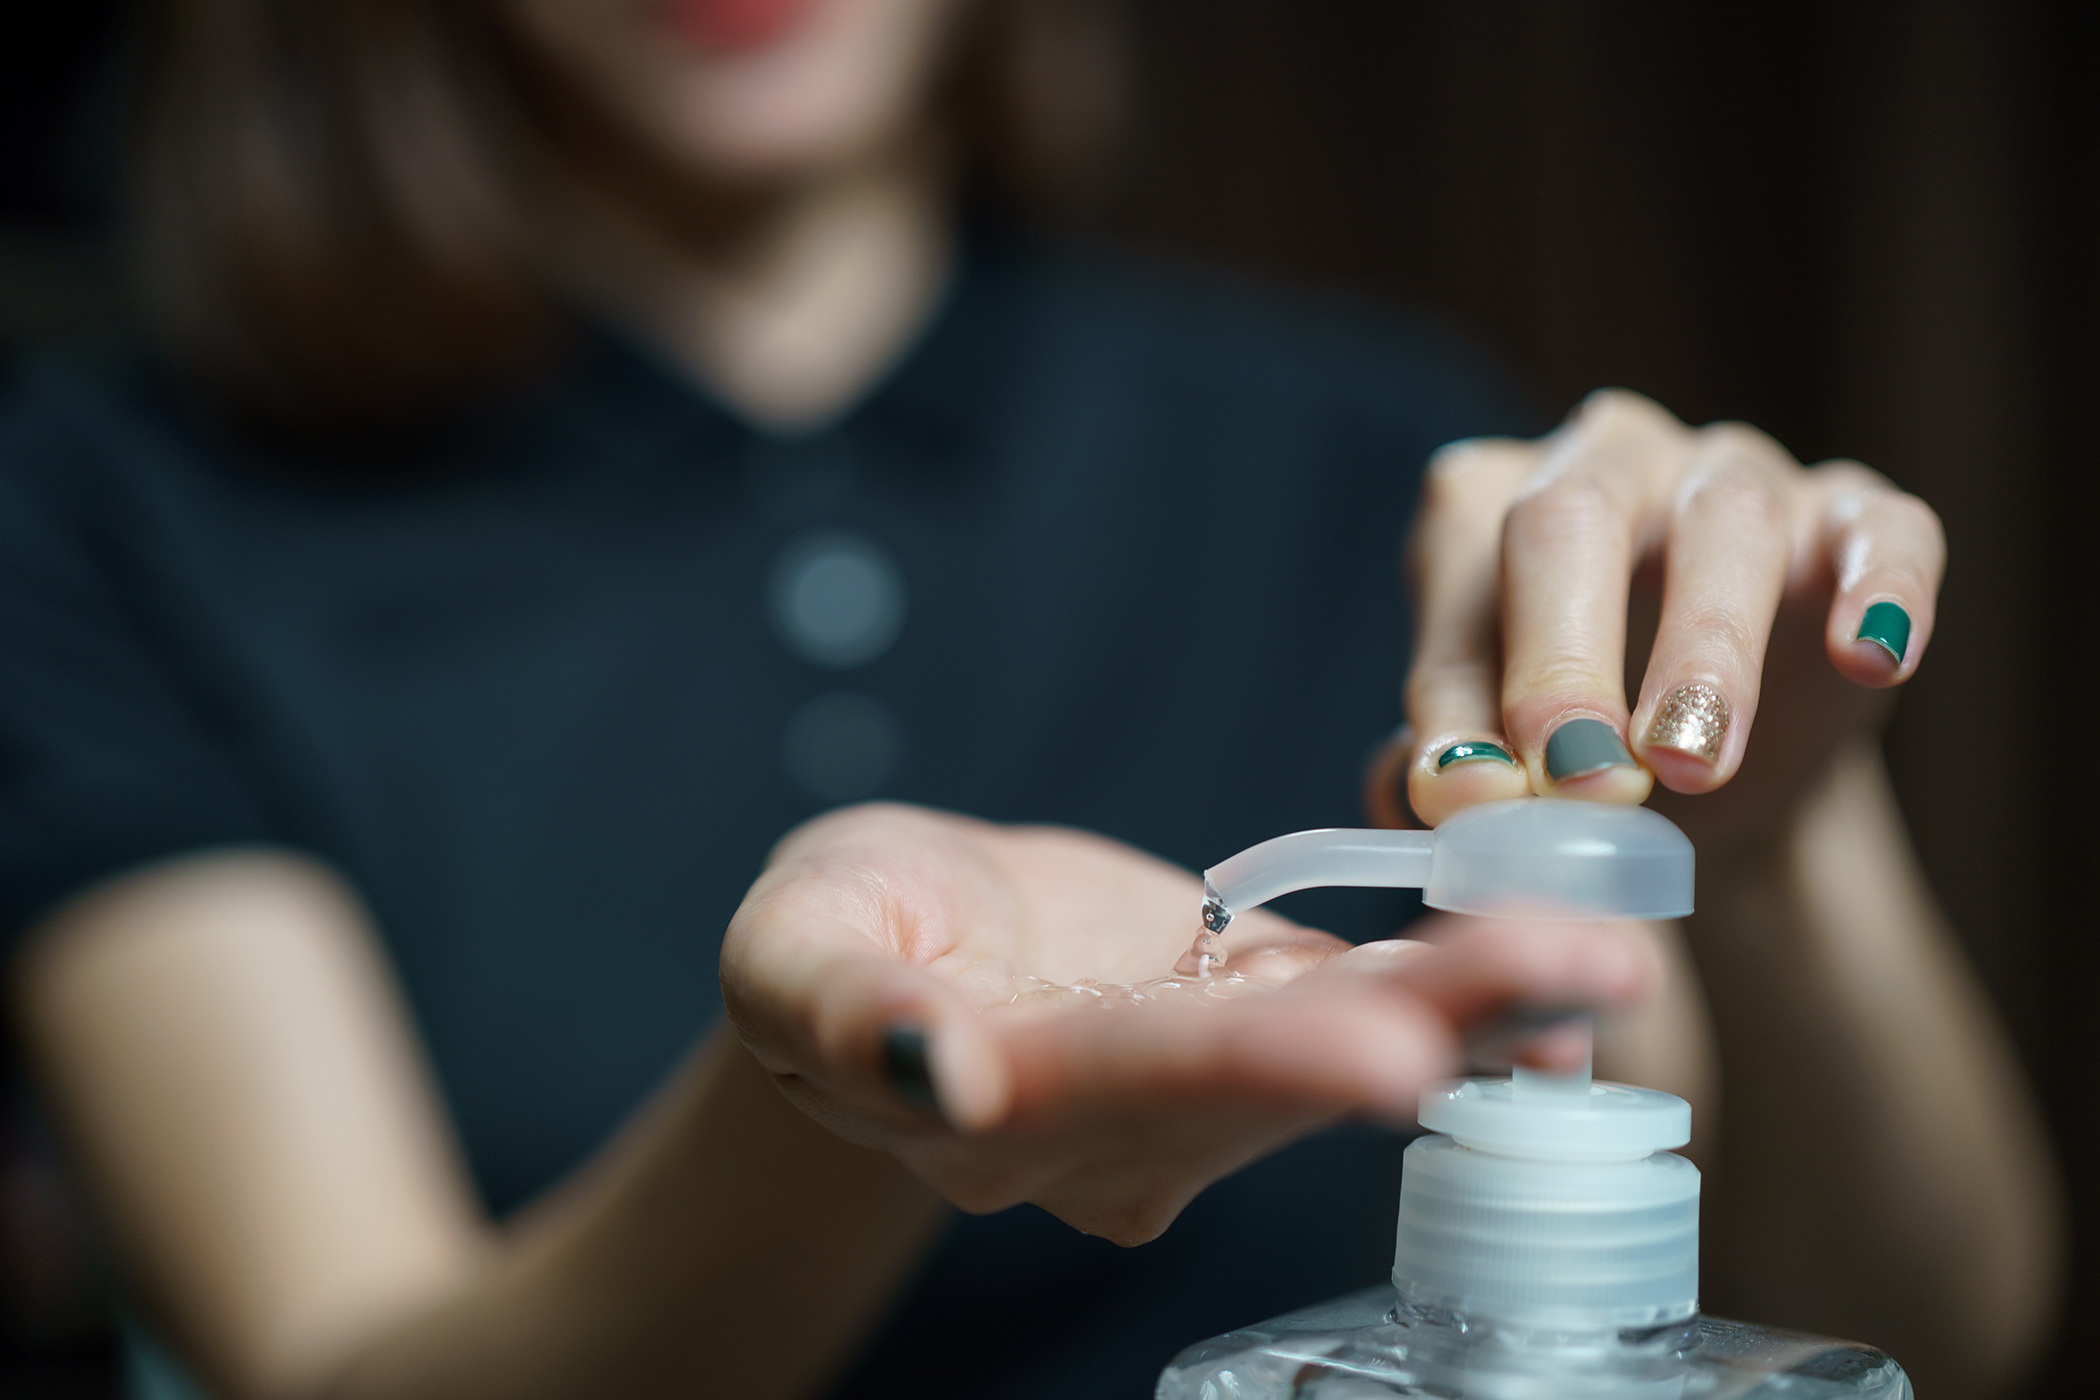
[
  {"x": 1584, "y": 746},
  {"x": 1692, "y": 719},
  {"x": 1887, "y": 626},
  {"x": 904, "y": 1061},
  {"x": 1466, "y": 751}
]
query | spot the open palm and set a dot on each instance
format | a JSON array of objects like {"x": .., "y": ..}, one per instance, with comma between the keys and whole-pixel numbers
[{"x": 884, "y": 918}]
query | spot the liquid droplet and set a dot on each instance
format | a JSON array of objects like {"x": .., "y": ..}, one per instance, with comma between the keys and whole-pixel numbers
[{"x": 1204, "y": 957}]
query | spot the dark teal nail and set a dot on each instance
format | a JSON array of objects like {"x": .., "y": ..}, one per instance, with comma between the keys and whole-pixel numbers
[
  {"x": 1584, "y": 746},
  {"x": 904, "y": 1061},
  {"x": 1469, "y": 750},
  {"x": 1888, "y": 627}
]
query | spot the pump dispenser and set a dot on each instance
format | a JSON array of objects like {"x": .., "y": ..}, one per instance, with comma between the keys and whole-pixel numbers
[{"x": 1548, "y": 1240}]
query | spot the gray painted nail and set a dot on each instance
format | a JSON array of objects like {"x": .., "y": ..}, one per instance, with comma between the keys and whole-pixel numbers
[{"x": 1584, "y": 746}]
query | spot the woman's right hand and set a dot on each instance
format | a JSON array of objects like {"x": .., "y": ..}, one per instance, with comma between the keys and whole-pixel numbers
[{"x": 871, "y": 970}]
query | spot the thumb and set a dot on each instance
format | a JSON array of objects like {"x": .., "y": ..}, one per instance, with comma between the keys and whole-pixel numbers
[{"x": 875, "y": 1039}]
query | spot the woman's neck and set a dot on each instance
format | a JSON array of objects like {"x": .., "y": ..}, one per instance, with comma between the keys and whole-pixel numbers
[{"x": 796, "y": 305}]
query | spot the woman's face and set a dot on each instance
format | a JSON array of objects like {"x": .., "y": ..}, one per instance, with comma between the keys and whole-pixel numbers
[{"x": 749, "y": 91}]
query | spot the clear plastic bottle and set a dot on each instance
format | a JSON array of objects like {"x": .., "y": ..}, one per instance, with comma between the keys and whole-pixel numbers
[
  {"x": 1548, "y": 1244},
  {"x": 1373, "y": 1346}
]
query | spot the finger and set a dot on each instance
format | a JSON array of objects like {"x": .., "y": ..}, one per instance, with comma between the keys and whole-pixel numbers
[
  {"x": 1378, "y": 958},
  {"x": 1457, "y": 754},
  {"x": 1482, "y": 967},
  {"x": 1364, "y": 1033},
  {"x": 1566, "y": 1048},
  {"x": 1888, "y": 552},
  {"x": 1531, "y": 993},
  {"x": 1553, "y": 1037},
  {"x": 1568, "y": 554},
  {"x": 1725, "y": 567},
  {"x": 872, "y": 1041},
  {"x": 1348, "y": 1044},
  {"x": 1269, "y": 949},
  {"x": 1120, "y": 1116}
]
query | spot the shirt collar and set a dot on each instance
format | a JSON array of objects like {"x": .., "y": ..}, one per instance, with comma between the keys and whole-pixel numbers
[{"x": 934, "y": 403}]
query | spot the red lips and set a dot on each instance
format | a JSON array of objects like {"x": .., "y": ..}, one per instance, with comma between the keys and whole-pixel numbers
[{"x": 728, "y": 25}]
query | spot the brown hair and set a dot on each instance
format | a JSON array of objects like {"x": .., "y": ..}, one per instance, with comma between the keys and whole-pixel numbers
[{"x": 331, "y": 194}]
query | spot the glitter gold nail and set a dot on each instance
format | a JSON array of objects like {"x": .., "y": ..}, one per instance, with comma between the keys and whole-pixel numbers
[{"x": 1693, "y": 719}]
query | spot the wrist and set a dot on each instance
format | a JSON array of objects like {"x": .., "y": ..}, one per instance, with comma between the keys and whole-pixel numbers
[
  {"x": 1751, "y": 887},
  {"x": 1751, "y": 830}
]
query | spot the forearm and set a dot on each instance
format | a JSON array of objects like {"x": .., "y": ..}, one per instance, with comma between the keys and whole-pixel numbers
[
  {"x": 1881, "y": 1171},
  {"x": 228, "y": 1052},
  {"x": 726, "y": 1244}
]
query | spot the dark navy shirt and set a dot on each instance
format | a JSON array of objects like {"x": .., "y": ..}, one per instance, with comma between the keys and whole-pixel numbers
[{"x": 1112, "y": 546}]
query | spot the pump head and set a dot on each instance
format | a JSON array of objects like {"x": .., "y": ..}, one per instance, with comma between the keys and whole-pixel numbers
[{"x": 1542, "y": 857}]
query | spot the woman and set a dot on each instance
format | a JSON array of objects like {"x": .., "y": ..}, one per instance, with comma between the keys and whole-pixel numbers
[{"x": 592, "y": 444}]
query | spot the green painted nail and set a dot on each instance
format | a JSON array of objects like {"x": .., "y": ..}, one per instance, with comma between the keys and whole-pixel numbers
[
  {"x": 1888, "y": 627},
  {"x": 1470, "y": 750},
  {"x": 1584, "y": 746}
]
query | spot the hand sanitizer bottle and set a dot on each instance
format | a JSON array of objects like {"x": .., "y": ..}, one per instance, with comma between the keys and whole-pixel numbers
[{"x": 1548, "y": 1246}]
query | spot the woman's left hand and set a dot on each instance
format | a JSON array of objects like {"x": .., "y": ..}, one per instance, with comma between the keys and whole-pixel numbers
[
  {"x": 873, "y": 965},
  {"x": 1786, "y": 596}
]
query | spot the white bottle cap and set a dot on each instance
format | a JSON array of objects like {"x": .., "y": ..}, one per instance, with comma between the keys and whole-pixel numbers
[{"x": 1550, "y": 1205}]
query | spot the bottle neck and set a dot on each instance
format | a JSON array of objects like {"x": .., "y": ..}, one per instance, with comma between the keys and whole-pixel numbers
[
  {"x": 1551, "y": 1247},
  {"x": 1460, "y": 1325}
]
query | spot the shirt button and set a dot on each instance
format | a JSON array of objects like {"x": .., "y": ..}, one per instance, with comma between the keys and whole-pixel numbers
[
  {"x": 836, "y": 598},
  {"x": 841, "y": 746}
]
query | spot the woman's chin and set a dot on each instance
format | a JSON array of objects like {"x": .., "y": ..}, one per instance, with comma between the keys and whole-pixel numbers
[{"x": 761, "y": 127}]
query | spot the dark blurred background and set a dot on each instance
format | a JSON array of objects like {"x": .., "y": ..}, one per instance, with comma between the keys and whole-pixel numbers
[{"x": 1872, "y": 229}]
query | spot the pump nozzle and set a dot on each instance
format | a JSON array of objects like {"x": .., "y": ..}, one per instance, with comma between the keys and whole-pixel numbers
[{"x": 1541, "y": 856}]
